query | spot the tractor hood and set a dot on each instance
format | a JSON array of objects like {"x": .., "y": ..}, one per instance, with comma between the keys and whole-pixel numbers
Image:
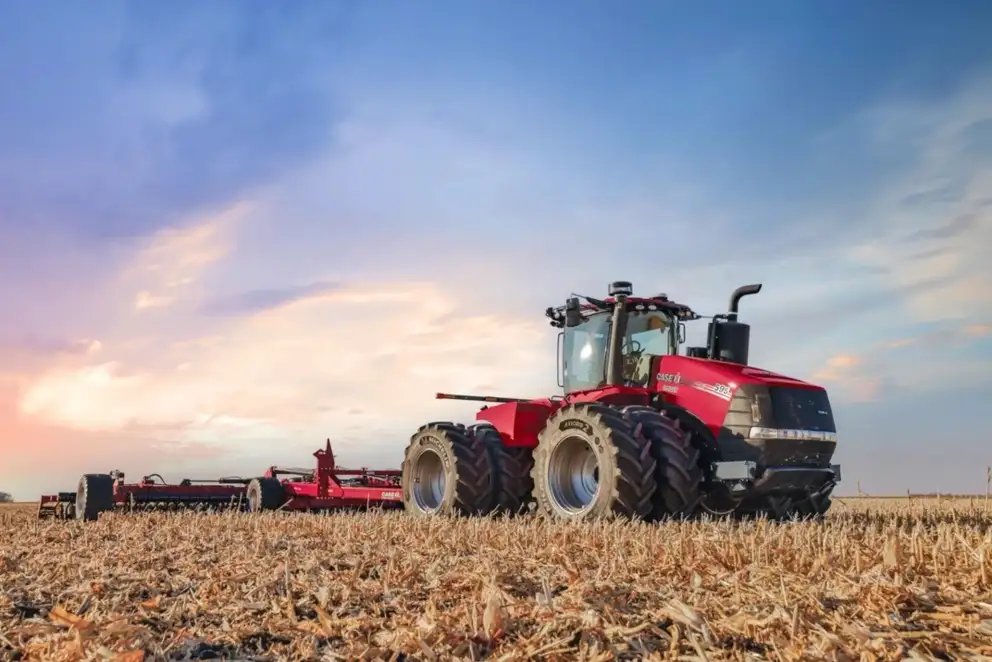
[
  {"x": 740, "y": 401},
  {"x": 736, "y": 374}
]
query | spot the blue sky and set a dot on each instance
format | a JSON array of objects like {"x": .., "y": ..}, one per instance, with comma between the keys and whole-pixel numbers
[{"x": 231, "y": 230}]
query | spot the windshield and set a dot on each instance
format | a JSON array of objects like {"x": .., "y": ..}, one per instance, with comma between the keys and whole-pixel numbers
[{"x": 649, "y": 334}]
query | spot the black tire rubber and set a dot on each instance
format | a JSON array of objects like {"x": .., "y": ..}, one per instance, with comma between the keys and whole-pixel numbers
[
  {"x": 94, "y": 495},
  {"x": 627, "y": 481},
  {"x": 512, "y": 484},
  {"x": 265, "y": 494},
  {"x": 814, "y": 508},
  {"x": 678, "y": 472},
  {"x": 467, "y": 467}
]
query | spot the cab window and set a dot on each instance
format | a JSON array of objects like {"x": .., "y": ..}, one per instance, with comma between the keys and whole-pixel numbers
[{"x": 649, "y": 334}]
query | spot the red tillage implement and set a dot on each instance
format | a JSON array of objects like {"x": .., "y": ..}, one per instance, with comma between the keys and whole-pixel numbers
[
  {"x": 327, "y": 487},
  {"x": 98, "y": 493}
]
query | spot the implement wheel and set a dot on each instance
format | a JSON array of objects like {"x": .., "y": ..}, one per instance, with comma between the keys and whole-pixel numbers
[
  {"x": 589, "y": 464},
  {"x": 264, "y": 494},
  {"x": 94, "y": 495},
  {"x": 446, "y": 471}
]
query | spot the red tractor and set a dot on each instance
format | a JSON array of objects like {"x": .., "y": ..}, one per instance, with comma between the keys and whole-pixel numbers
[{"x": 640, "y": 432}]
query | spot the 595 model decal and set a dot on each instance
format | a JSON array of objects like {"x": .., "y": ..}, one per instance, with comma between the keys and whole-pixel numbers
[{"x": 722, "y": 391}]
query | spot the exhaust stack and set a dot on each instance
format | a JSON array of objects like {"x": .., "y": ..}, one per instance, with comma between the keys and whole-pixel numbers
[
  {"x": 730, "y": 340},
  {"x": 740, "y": 293}
]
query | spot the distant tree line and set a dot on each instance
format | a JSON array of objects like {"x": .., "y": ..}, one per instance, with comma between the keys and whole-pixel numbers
[{"x": 6, "y": 498}]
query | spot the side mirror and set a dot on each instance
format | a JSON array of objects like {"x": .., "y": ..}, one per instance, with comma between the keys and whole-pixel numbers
[
  {"x": 558, "y": 359},
  {"x": 681, "y": 332},
  {"x": 573, "y": 316}
]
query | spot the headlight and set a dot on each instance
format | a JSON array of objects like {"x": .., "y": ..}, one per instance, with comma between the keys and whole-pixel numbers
[{"x": 799, "y": 435}]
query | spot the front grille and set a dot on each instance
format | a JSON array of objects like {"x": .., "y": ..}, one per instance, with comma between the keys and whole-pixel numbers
[
  {"x": 801, "y": 409},
  {"x": 794, "y": 452}
]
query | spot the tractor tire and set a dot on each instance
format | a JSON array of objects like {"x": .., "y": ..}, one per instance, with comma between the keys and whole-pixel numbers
[
  {"x": 513, "y": 485},
  {"x": 94, "y": 495},
  {"x": 589, "y": 464},
  {"x": 264, "y": 494},
  {"x": 814, "y": 507},
  {"x": 677, "y": 469},
  {"x": 446, "y": 471}
]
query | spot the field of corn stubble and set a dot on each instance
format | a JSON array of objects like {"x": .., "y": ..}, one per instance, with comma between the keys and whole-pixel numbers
[{"x": 883, "y": 579}]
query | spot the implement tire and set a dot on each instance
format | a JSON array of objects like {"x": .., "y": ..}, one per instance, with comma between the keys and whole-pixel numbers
[
  {"x": 677, "y": 469},
  {"x": 446, "y": 471},
  {"x": 589, "y": 465},
  {"x": 513, "y": 485},
  {"x": 264, "y": 494},
  {"x": 94, "y": 495}
]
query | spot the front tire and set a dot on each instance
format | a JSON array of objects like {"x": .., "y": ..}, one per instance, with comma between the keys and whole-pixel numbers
[
  {"x": 815, "y": 506},
  {"x": 589, "y": 465},
  {"x": 446, "y": 471}
]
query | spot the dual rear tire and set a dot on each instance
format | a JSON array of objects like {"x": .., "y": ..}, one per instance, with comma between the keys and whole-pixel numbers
[
  {"x": 597, "y": 461},
  {"x": 592, "y": 461}
]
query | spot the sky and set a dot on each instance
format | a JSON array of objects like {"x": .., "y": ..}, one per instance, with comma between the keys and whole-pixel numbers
[{"x": 229, "y": 231}]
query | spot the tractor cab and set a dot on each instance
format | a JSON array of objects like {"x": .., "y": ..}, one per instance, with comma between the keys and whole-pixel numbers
[
  {"x": 649, "y": 334},
  {"x": 621, "y": 340}
]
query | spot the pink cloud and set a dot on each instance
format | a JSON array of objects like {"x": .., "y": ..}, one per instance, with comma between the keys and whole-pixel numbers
[
  {"x": 42, "y": 458},
  {"x": 978, "y": 330},
  {"x": 382, "y": 350},
  {"x": 848, "y": 373}
]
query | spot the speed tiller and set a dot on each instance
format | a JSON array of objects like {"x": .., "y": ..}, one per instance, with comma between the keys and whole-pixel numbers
[{"x": 327, "y": 487}]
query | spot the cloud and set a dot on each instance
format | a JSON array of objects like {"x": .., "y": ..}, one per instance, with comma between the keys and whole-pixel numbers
[
  {"x": 933, "y": 222},
  {"x": 174, "y": 258},
  {"x": 953, "y": 228},
  {"x": 51, "y": 346},
  {"x": 308, "y": 363},
  {"x": 39, "y": 457},
  {"x": 255, "y": 301},
  {"x": 978, "y": 330},
  {"x": 931, "y": 362},
  {"x": 847, "y": 372}
]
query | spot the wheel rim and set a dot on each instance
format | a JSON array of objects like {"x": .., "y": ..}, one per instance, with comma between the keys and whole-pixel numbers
[
  {"x": 573, "y": 475},
  {"x": 429, "y": 481}
]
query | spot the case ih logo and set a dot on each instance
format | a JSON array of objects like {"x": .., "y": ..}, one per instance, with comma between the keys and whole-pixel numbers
[{"x": 722, "y": 391}]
